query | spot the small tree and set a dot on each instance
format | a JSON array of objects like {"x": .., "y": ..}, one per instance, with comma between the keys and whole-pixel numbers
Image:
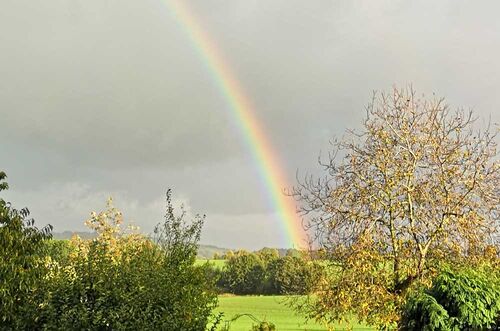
[
  {"x": 189, "y": 298},
  {"x": 417, "y": 184},
  {"x": 244, "y": 273}
]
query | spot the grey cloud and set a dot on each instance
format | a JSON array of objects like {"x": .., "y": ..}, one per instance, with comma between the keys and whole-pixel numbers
[
  {"x": 109, "y": 88},
  {"x": 112, "y": 94}
]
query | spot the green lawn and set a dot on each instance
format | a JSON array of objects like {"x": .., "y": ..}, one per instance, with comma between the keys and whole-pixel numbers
[{"x": 269, "y": 308}]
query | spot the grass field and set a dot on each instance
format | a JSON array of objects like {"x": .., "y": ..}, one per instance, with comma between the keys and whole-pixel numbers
[
  {"x": 269, "y": 308},
  {"x": 264, "y": 308}
]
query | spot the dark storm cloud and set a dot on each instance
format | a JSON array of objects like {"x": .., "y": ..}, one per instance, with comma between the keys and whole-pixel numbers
[{"x": 103, "y": 98}]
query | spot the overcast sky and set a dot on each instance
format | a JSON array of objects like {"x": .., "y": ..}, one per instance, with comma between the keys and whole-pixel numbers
[{"x": 109, "y": 98}]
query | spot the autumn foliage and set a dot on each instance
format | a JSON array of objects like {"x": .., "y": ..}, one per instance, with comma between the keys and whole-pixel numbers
[{"x": 416, "y": 186}]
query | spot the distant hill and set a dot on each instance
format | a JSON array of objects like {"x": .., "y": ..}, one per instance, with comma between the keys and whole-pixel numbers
[{"x": 208, "y": 251}]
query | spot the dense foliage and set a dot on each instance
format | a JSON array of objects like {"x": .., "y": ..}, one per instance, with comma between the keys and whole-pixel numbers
[
  {"x": 121, "y": 280},
  {"x": 22, "y": 267},
  {"x": 245, "y": 274},
  {"x": 463, "y": 300}
]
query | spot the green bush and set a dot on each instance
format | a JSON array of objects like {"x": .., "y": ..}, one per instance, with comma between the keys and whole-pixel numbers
[
  {"x": 457, "y": 300},
  {"x": 127, "y": 282}
]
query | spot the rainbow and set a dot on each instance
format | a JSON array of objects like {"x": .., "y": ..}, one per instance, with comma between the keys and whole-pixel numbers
[{"x": 244, "y": 115}]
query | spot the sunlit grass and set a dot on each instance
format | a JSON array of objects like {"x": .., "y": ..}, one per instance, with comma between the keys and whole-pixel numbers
[{"x": 271, "y": 309}]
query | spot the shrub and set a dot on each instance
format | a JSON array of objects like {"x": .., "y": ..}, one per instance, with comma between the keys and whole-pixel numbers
[
  {"x": 122, "y": 280},
  {"x": 464, "y": 300},
  {"x": 423, "y": 312}
]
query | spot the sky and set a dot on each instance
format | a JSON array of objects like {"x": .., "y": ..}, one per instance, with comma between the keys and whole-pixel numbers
[{"x": 104, "y": 98}]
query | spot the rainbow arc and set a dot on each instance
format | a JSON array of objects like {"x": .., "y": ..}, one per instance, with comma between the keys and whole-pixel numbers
[{"x": 244, "y": 115}]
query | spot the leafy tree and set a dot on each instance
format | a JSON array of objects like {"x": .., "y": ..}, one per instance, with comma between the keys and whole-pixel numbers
[
  {"x": 22, "y": 266},
  {"x": 88, "y": 285},
  {"x": 268, "y": 256},
  {"x": 264, "y": 272},
  {"x": 293, "y": 252},
  {"x": 417, "y": 184},
  {"x": 244, "y": 273}
]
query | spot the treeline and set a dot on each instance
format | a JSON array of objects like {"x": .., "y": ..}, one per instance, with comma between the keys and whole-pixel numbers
[{"x": 265, "y": 272}]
